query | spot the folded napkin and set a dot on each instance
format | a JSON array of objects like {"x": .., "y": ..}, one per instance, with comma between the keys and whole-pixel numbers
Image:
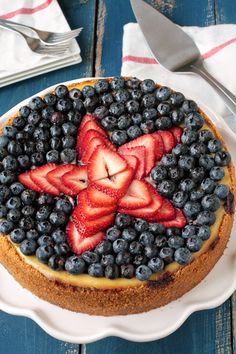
[
  {"x": 17, "y": 61},
  {"x": 217, "y": 45}
]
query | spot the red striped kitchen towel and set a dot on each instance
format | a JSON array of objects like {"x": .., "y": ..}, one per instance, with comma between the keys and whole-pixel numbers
[
  {"x": 217, "y": 45},
  {"x": 17, "y": 61}
]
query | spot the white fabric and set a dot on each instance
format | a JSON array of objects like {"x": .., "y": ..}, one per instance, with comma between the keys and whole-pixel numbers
[
  {"x": 17, "y": 61},
  {"x": 216, "y": 43}
]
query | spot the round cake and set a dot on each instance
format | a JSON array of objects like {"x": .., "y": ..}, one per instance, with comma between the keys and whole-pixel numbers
[{"x": 116, "y": 196}]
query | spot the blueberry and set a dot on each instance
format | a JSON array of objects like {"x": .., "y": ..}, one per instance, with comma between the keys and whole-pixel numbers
[
  {"x": 123, "y": 220},
  {"x": 117, "y": 83},
  {"x": 6, "y": 226},
  {"x": 14, "y": 148},
  {"x": 58, "y": 236},
  {"x": 159, "y": 173},
  {"x": 29, "y": 147},
  {"x": 24, "y": 111},
  {"x": 217, "y": 173},
  {"x": 149, "y": 114},
  {"x": 179, "y": 199},
  {"x": 163, "y": 93},
  {"x": 197, "y": 174},
  {"x": 9, "y": 131},
  {"x": 43, "y": 213},
  {"x": 149, "y": 101},
  {"x": 75, "y": 265},
  {"x": 90, "y": 257},
  {"x": 210, "y": 202},
  {"x": 221, "y": 190},
  {"x": 127, "y": 271},
  {"x": 26, "y": 223},
  {"x": 146, "y": 238},
  {"x": 44, "y": 227},
  {"x": 196, "y": 195},
  {"x": 113, "y": 233},
  {"x": 176, "y": 98},
  {"x": 57, "y": 218},
  {"x": 3, "y": 141},
  {"x": 50, "y": 99},
  {"x": 189, "y": 231},
  {"x": 45, "y": 199},
  {"x": 14, "y": 215},
  {"x": 28, "y": 247},
  {"x": 28, "y": 196},
  {"x": 133, "y": 83},
  {"x": 3, "y": 211},
  {"x": 132, "y": 106},
  {"x": 194, "y": 244},
  {"x": 134, "y": 132},
  {"x": 183, "y": 256},
  {"x": 205, "y": 135},
  {"x": 52, "y": 156},
  {"x": 17, "y": 235},
  {"x": 63, "y": 105},
  {"x": 34, "y": 118},
  {"x": 62, "y": 249},
  {"x": 186, "y": 162},
  {"x": 141, "y": 225},
  {"x": 3, "y": 153},
  {"x": 163, "y": 108},
  {"x": 123, "y": 257},
  {"x": 129, "y": 234},
  {"x": 151, "y": 251},
  {"x": 166, "y": 188},
  {"x": 169, "y": 160},
  {"x": 41, "y": 134},
  {"x": 139, "y": 259},
  {"x": 55, "y": 131},
  {"x": 78, "y": 106},
  {"x": 222, "y": 158},
  {"x": 119, "y": 137},
  {"x": 4, "y": 193},
  {"x": 135, "y": 248},
  {"x": 67, "y": 155},
  {"x": 204, "y": 232},
  {"x": 107, "y": 259},
  {"x": 175, "y": 173},
  {"x": 173, "y": 231},
  {"x": 194, "y": 121},
  {"x": 143, "y": 272},
  {"x": 43, "y": 253},
  {"x": 180, "y": 149},
  {"x": 24, "y": 161},
  {"x": 36, "y": 103},
  {"x": 175, "y": 242},
  {"x": 28, "y": 210},
  {"x": 90, "y": 103},
  {"x": 109, "y": 123},
  {"x": 100, "y": 112},
  {"x": 111, "y": 271},
  {"x": 64, "y": 205},
  {"x": 95, "y": 270},
  {"x": 163, "y": 123},
  {"x": 208, "y": 185},
  {"x": 56, "y": 262},
  {"x": 107, "y": 99},
  {"x": 197, "y": 149},
  {"x": 147, "y": 86},
  {"x": 32, "y": 235},
  {"x": 37, "y": 158},
  {"x": 101, "y": 86},
  {"x": 74, "y": 117},
  {"x": 7, "y": 177},
  {"x": 120, "y": 245},
  {"x": 61, "y": 91},
  {"x": 47, "y": 112},
  {"x": 189, "y": 136},
  {"x": 124, "y": 122},
  {"x": 189, "y": 106},
  {"x": 214, "y": 145},
  {"x": 147, "y": 127},
  {"x": 177, "y": 117},
  {"x": 75, "y": 93},
  {"x": 10, "y": 163},
  {"x": 156, "y": 264},
  {"x": 45, "y": 241},
  {"x": 13, "y": 203},
  {"x": 206, "y": 218},
  {"x": 191, "y": 209},
  {"x": 69, "y": 128},
  {"x": 55, "y": 143},
  {"x": 57, "y": 118},
  {"x": 104, "y": 247},
  {"x": 206, "y": 161},
  {"x": 137, "y": 118}
]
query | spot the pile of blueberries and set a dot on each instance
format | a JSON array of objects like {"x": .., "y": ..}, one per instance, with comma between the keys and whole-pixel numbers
[{"x": 45, "y": 132}]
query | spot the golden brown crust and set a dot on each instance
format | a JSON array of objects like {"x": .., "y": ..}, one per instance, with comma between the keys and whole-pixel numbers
[{"x": 123, "y": 301}]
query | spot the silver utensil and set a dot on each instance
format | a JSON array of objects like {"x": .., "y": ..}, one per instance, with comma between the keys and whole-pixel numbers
[
  {"x": 46, "y": 37},
  {"x": 37, "y": 46},
  {"x": 174, "y": 49}
]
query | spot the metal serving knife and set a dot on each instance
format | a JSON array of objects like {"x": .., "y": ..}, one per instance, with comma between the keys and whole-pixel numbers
[{"x": 174, "y": 49}]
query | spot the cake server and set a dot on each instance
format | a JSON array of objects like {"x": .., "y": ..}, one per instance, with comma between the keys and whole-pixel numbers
[{"x": 174, "y": 49}]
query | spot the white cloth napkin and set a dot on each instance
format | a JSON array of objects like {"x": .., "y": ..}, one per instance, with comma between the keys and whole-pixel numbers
[
  {"x": 17, "y": 61},
  {"x": 217, "y": 45}
]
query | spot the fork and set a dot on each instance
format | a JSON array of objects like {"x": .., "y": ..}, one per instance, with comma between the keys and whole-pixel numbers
[
  {"x": 37, "y": 46},
  {"x": 46, "y": 37}
]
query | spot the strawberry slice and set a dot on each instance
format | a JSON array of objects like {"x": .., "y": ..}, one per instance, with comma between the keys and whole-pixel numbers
[
  {"x": 150, "y": 210},
  {"x": 90, "y": 145},
  {"x": 79, "y": 244},
  {"x": 89, "y": 227},
  {"x": 139, "y": 153},
  {"x": 90, "y": 125},
  {"x": 88, "y": 212},
  {"x": 159, "y": 146},
  {"x": 133, "y": 162},
  {"x": 39, "y": 177},
  {"x": 179, "y": 221},
  {"x": 55, "y": 178},
  {"x": 27, "y": 181},
  {"x": 76, "y": 179},
  {"x": 98, "y": 198},
  {"x": 168, "y": 140},
  {"x": 115, "y": 185},
  {"x": 166, "y": 212},
  {"x": 105, "y": 163},
  {"x": 86, "y": 118},
  {"x": 92, "y": 133},
  {"x": 177, "y": 132},
  {"x": 137, "y": 196}
]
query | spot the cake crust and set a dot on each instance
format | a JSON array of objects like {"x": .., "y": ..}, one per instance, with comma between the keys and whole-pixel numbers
[{"x": 126, "y": 300}]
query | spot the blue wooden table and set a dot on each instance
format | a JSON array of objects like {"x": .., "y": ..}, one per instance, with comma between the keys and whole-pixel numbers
[{"x": 211, "y": 331}]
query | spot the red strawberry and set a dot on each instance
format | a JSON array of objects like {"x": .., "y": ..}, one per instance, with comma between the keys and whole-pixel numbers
[
  {"x": 168, "y": 140},
  {"x": 177, "y": 132},
  {"x": 80, "y": 244},
  {"x": 138, "y": 152},
  {"x": 105, "y": 163},
  {"x": 92, "y": 133},
  {"x": 55, "y": 178},
  {"x": 86, "y": 118},
  {"x": 87, "y": 153},
  {"x": 159, "y": 146},
  {"x": 137, "y": 196},
  {"x": 88, "y": 212},
  {"x": 98, "y": 198},
  {"x": 133, "y": 162},
  {"x": 166, "y": 212},
  {"x": 179, "y": 221},
  {"x": 90, "y": 125},
  {"x": 39, "y": 177},
  {"x": 150, "y": 210},
  {"x": 87, "y": 228},
  {"x": 27, "y": 181},
  {"x": 148, "y": 142},
  {"x": 76, "y": 179},
  {"x": 116, "y": 185}
]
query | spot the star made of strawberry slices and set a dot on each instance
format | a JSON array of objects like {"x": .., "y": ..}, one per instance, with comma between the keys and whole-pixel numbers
[{"x": 109, "y": 180}]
